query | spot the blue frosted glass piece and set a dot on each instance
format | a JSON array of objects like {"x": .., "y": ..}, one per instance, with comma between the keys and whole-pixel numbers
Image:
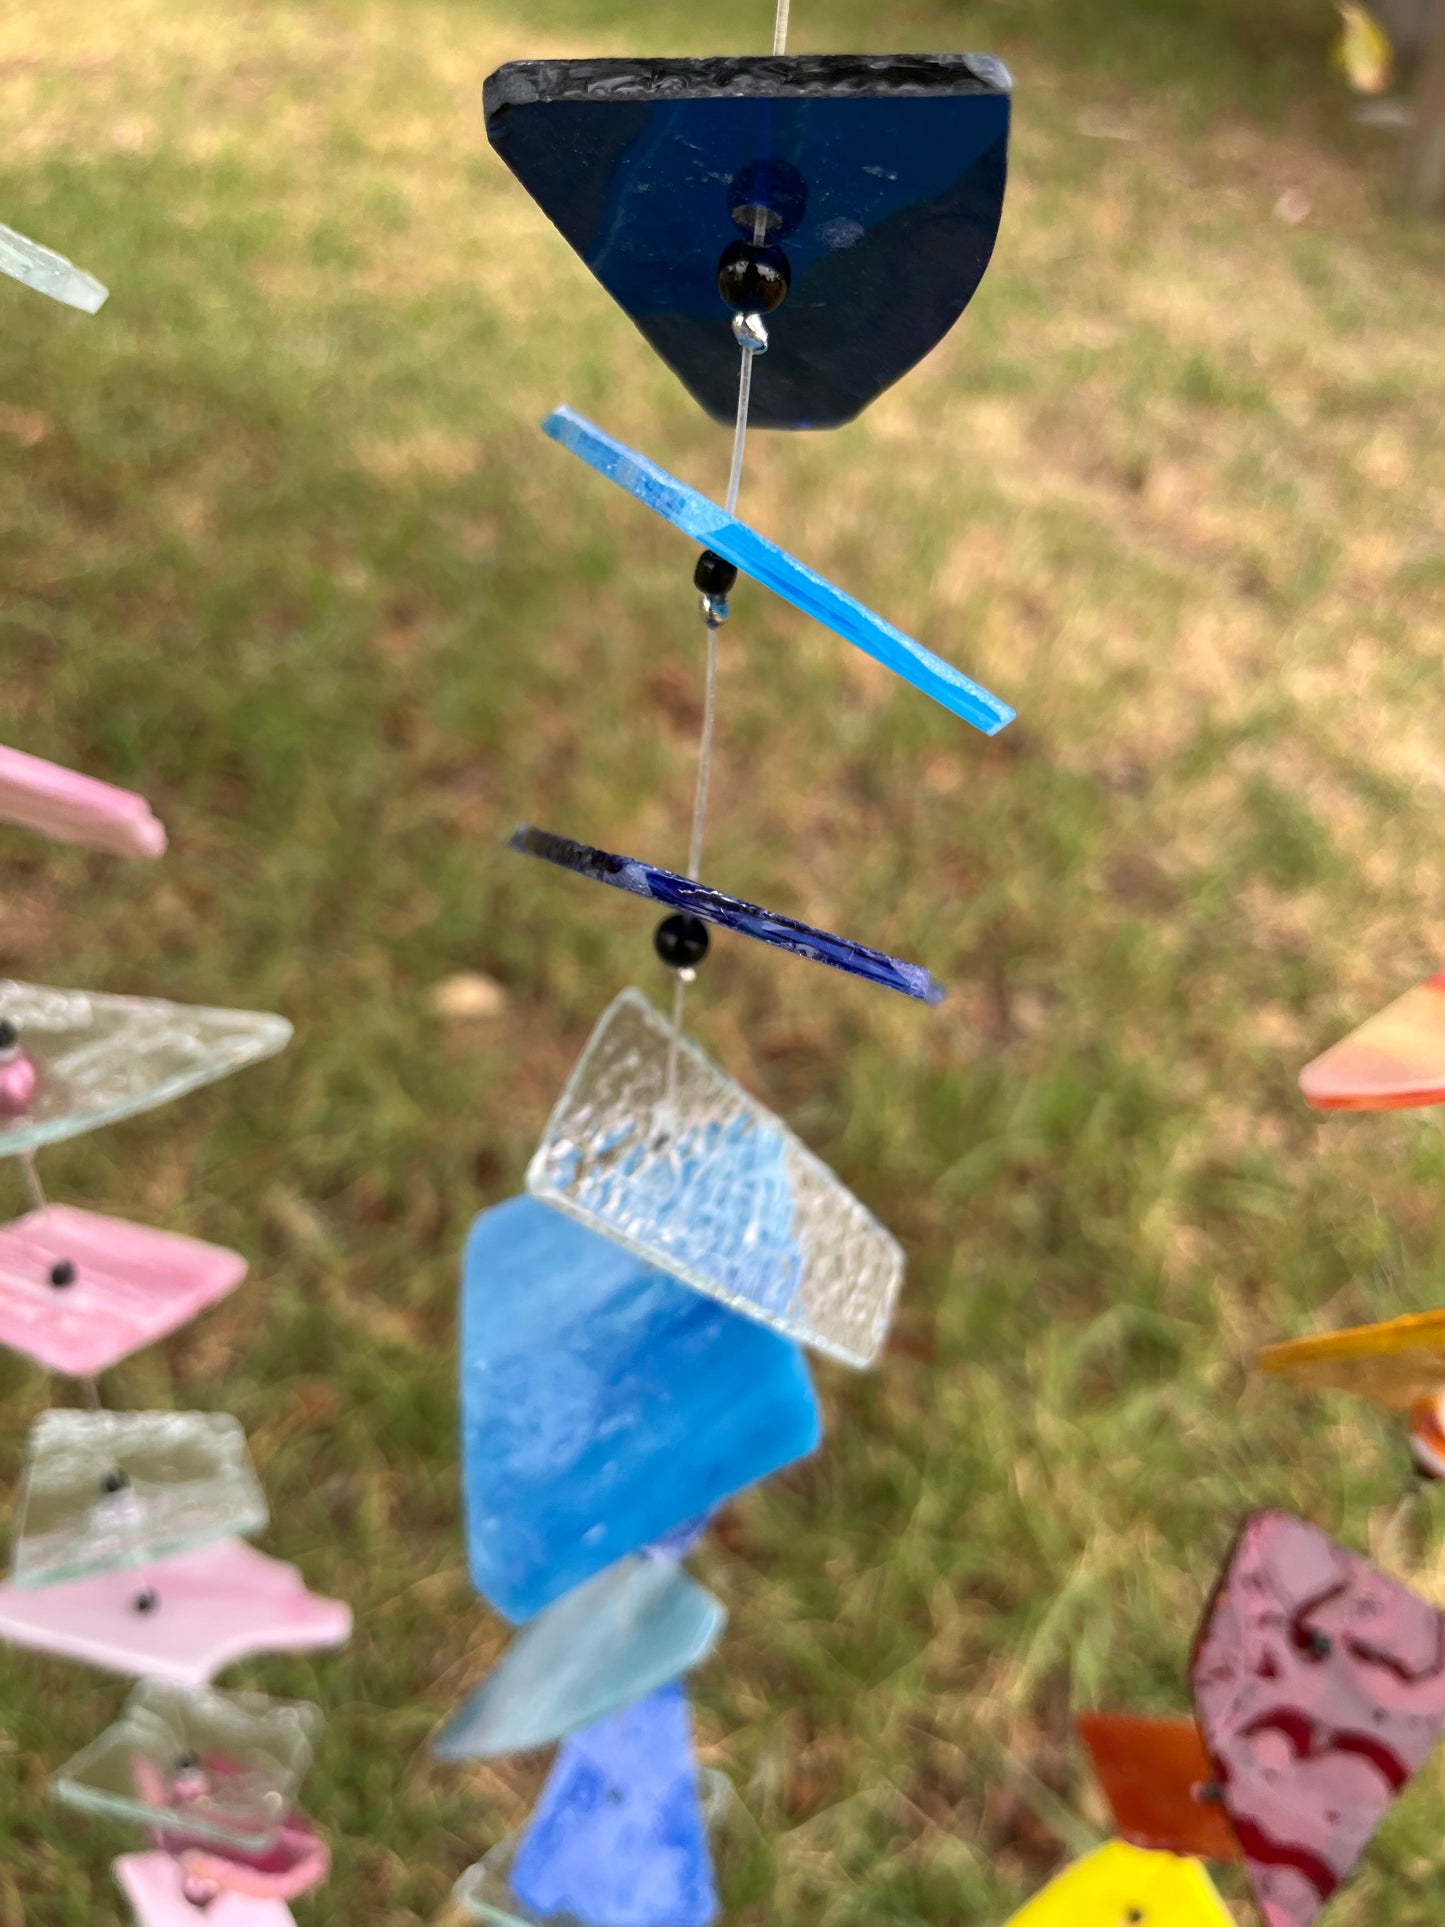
[
  {"x": 49, "y": 273},
  {"x": 603, "y": 1403},
  {"x": 624, "y": 1633},
  {"x": 748, "y": 919},
  {"x": 794, "y": 581},
  {"x": 618, "y": 1838},
  {"x": 881, "y": 177}
]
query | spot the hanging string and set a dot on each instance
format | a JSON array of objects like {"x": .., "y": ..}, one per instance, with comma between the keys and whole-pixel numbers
[{"x": 38, "y": 1199}]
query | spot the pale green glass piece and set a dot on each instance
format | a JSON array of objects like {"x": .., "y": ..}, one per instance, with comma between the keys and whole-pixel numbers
[
  {"x": 49, "y": 273},
  {"x": 104, "y": 1490},
  {"x": 101, "y": 1058},
  {"x": 652, "y": 1146},
  {"x": 218, "y": 1766},
  {"x": 484, "y": 1891}
]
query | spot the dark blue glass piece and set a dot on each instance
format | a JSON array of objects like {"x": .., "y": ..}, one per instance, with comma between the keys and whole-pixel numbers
[
  {"x": 680, "y": 893},
  {"x": 765, "y": 562},
  {"x": 603, "y": 1404},
  {"x": 618, "y": 1838},
  {"x": 880, "y": 176}
]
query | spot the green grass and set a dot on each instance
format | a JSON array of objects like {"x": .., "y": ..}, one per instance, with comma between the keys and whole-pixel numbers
[{"x": 280, "y": 543}]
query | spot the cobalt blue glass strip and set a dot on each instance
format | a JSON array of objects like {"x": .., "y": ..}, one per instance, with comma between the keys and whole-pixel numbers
[
  {"x": 756, "y": 556},
  {"x": 730, "y": 913}
]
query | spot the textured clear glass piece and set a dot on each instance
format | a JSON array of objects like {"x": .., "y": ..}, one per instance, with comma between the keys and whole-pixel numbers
[
  {"x": 1319, "y": 1683},
  {"x": 223, "y": 1767},
  {"x": 1152, "y": 1772},
  {"x": 1394, "y": 1061},
  {"x": 603, "y": 1403},
  {"x": 215, "y": 1606},
  {"x": 635, "y": 1627},
  {"x": 184, "y": 1481},
  {"x": 731, "y": 913},
  {"x": 1120, "y": 1883},
  {"x": 297, "y": 1860},
  {"x": 880, "y": 176},
  {"x": 132, "y": 1286},
  {"x": 618, "y": 1838},
  {"x": 765, "y": 562},
  {"x": 484, "y": 1891},
  {"x": 155, "y": 1886},
  {"x": 102, "y": 1058},
  {"x": 49, "y": 273},
  {"x": 711, "y": 1187},
  {"x": 41, "y": 796}
]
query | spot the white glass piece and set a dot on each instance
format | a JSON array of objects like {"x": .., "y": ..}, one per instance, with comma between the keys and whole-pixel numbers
[
  {"x": 49, "y": 273},
  {"x": 705, "y": 1183},
  {"x": 101, "y": 1058},
  {"x": 105, "y": 1490}
]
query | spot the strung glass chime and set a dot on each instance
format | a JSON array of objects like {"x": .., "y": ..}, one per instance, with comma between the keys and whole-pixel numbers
[{"x": 790, "y": 235}]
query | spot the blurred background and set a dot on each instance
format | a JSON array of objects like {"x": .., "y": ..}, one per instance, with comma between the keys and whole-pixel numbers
[{"x": 280, "y": 544}]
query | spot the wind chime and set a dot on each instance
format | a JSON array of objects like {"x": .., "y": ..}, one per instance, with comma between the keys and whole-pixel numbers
[{"x": 128, "y": 1549}]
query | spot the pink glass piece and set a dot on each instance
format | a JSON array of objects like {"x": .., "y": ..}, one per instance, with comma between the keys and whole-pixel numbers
[
  {"x": 1319, "y": 1684},
  {"x": 132, "y": 1286},
  {"x": 298, "y": 1860},
  {"x": 214, "y": 1606},
  {"x": 18, "y": 1081},
  {"x": 74, "y": 808},
  {"x": 155, "y": 1886},
  {"x": 61, "y": 803}
]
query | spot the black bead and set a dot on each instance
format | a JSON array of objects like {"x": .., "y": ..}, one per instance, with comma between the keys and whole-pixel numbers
[
  {"x": 114, "y": 1481},
  {"x": 681, "y": 941},
  {"x": 186, "y": 1763},
  {"x": 62, "y": 1273},
  {"x": 147, "y": 1601},
  {"x": 713, "y": 576},
  {"x": 751, "y": 279},
  {"x": 9, "y": 1036}
]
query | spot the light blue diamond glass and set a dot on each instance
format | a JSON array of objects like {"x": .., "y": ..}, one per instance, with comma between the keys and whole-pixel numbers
[
  {"x": 794, "y": 581},
  {"x": 603, "y": 1404},
  {"x": 49, "y": 273},
  {"x": 618, "y": 1637},
  {"x": 618, "y": 1838}
]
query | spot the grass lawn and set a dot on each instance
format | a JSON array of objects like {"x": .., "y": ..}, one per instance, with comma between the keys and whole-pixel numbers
[{"x": 281, "y": 544}]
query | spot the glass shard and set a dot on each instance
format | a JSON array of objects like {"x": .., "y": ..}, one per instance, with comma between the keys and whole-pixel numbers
[
  {"x": 102, "y": 1058},
  {"x": 222, "y": 1767},
  {"x": 614, "y": 1639},
  {"x": 106, "y": 1490},
  {"x": 297, "y": 1860},
  {"x": 48, "y": 272},
  {"x": 765, "y": 562},
  {"x": 1155, "y": 1775},
  {"x": 705, "y": 1183},
  {"x": 881, "y": 177},
  {"x": 618, "y": 1838},
  {"x": 211, "y": 1608},
  {"x": 1394, "y": 1061},
  {"x": 131, "y": 1287},
  {"x": 603, "y": 1404},
  {"x": 1395, "y": 1364},
  {"x": 1319, "y": 1684},
  {"x": 41, "y": 796},
  {"x": 731, "y": 913},
  {"x": 1119, "y": 1883},
  {"x": 155, "y": 1886}
]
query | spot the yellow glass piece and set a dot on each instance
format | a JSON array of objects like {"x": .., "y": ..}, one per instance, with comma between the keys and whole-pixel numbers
[
  {"x": 1123, "y": 1886},
  {"x": 1363, "y": 52},
  {"x": 1396, "y": 1364}
]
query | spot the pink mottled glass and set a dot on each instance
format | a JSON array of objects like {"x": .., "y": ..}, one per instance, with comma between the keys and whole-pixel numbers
[
  {"x": 1319, "y": 1684},
  {"x": 61, "y": 803},
  {"x": 155, "y": 1886},
  {"x": 131, "y": 1286},
  {"x": 297, "y": 1860},
  {"x": 213, "y": 1607}
]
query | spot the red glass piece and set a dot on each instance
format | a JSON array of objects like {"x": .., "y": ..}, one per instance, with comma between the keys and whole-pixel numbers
[
  {"x": 1319, "y": 1684},
  {"x": 1157, "y": 1778}
]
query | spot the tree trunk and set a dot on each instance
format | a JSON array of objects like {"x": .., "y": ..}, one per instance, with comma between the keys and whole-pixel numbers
[{"x": 1423, "y": 181}]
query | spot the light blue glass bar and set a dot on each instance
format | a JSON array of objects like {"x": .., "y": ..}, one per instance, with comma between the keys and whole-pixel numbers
[
  {"x": 765, "y": 562},
  {"x": 49, "y": 273}
]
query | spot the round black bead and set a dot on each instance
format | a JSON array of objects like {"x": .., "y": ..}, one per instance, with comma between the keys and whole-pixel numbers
[
  {"x": 62, "y": 1273},
  {"x": 713, "y": 576},
  {"x": 9, "y": 1036},
  {"x": 681, "y": 941},
  {"x": 147, "y": 1601},
  {"x": 186, "y": 1763},
  {"x": 752, "y": 279},
  {"x": 114, "y": 1481}
]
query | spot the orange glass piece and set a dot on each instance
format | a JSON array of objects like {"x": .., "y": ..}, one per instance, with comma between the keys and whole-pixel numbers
[
  {"x": 1152, "y": 1773},
  {"x": 1399, "y": 1364},
  {"x": 1394, "y": 1061}
]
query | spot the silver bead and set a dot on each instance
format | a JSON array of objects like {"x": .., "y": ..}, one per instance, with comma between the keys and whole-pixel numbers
[
  {"x": 714, "y": 610},
  {"x": 750, "y": 333}
]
